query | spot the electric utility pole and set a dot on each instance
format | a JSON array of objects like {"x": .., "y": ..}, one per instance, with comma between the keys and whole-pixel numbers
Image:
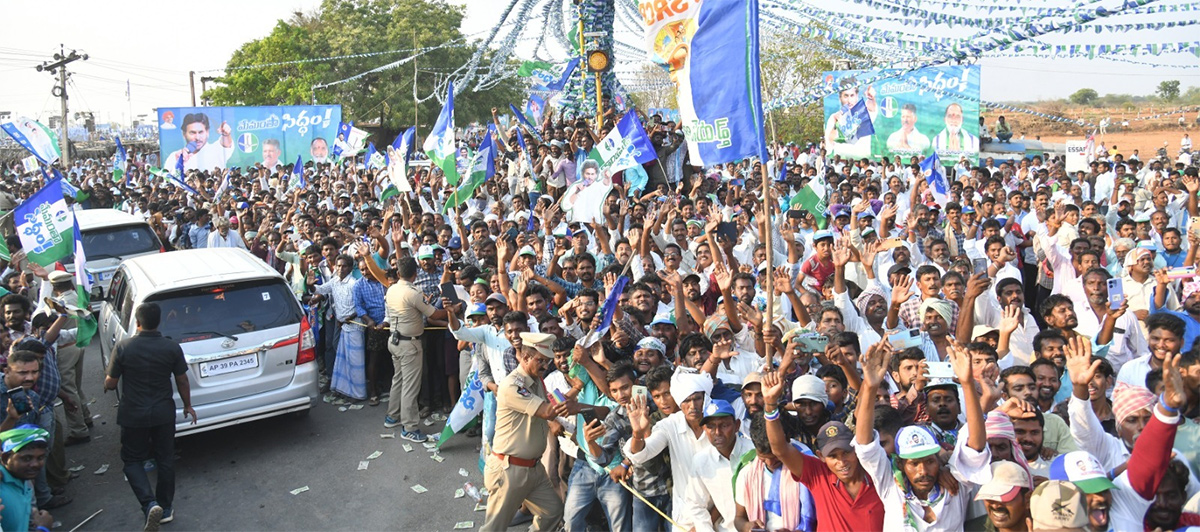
[{"x": 59, "y": 64}]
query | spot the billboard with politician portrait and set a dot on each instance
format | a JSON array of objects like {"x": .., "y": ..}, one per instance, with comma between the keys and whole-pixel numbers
[
  {"x": 933, "y": 109},
  {"x": 225, "y": 137}
]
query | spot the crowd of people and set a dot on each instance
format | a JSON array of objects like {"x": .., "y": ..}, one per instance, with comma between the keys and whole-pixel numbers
[{"x": 1019, "y": 357}]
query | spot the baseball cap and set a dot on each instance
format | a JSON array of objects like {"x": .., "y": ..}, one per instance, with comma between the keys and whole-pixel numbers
[
  {"x": 1081, "y": 469},
  {"x": 809, "y": 387},
  {"x": 822, "y": 234},
  {"x": 455, "y": 243},
  {"x": 425, "y": 252},
  {"x": 899, "y": 268},
  {"x": 916, "y": 441},
  {"x": 866, "y": 214},
  {"x": 1007, "y": 480},
  {"x": 980, "y": 330},
  {"x": 540, "y": 342},
  {"x": 751, "y": 378},
  {"x": 717, "y": 408},
  {"x": 477, "y": 309},
  {"x": 834, "y": 435},
  {"x": 496, "y": 297},
  {"x": 1057, "y": 505},
  {"x": 663, "y": 318},
  {"x": 967, "y": 209},
  {"x": 528, "y": 250}
]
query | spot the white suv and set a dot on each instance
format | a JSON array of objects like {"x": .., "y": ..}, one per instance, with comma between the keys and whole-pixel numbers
[
  {"x": 109, "y": 237},
  {"x": 250, "y": 349}
]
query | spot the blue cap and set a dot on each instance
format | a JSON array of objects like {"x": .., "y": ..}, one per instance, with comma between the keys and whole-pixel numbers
[
  {"x": 717, "y": 408},
  {"x": 822, "y": 234},
  {"x": 477, "y": 309},
  {"x": 967, "y": 209},
  {"x": 866, "y": 214},
  {"x": 455, "y": 243}
]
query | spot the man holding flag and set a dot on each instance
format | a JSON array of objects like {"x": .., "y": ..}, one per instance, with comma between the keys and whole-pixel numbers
[{"x": 440, "y": 142}]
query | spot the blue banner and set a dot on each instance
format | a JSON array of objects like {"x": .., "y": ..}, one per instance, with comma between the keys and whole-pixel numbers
[
  {"x": 710, "y": 49},
  {"x": 914, "y": 115},
  {"x": 224, "y": 137}
]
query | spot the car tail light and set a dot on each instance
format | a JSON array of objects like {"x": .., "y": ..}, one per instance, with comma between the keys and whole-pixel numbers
[{"x": 308, "y": 344}]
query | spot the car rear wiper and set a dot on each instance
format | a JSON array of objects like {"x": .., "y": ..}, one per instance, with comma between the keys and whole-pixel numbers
[{"x": 214, "y": 333}]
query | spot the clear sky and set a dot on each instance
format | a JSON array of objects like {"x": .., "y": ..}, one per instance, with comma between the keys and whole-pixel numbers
[{"x": 143, "y": 43}]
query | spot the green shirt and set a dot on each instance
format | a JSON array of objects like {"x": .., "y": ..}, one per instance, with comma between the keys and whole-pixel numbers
[{"x": 18, "y": 502}]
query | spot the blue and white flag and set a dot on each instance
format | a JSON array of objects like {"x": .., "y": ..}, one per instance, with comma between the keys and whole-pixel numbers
[
  {"x": 40, "y": 140},
  {"x": 711, "y": 51},
  {"x": 398, "y": 154},
  {"x": 45, "y": 225},
  {"x": 856, "y": 124},
  {"x": 468, "y": 407},
  {"x": 120, "y": 162},
  {"x": 931, "y": 168},
  {"x": 179, "y": 182},
  {"x": 493, "y": 137},
  {"x": 610, "y": 307},
  {"x": 624, "y": 147},
  {"x": 439, "y": 145},
  {"x": 524, "y": 120},
  {"x": 374, "y": 159},
  {"x": 566, "y": 75},
  {"x": 179, "y": 166},
  {"x": 297, "y": 179}
]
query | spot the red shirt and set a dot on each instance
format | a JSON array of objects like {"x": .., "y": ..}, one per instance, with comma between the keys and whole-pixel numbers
[
  {"x": 816, "y": 270},
  {"x": 836, "y": 511}
]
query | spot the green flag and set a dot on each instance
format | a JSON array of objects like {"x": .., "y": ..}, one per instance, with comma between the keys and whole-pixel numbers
[
  {"x": 481, "y": 169},
  {"x": 388, "y": 193},
  {"x": 85, "y": 326},
  {"x": 529, "y": 67},
  {"x": 811, "y": 198}
]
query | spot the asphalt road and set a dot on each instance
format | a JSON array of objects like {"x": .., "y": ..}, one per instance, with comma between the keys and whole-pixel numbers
[{"x": 240, "y": 478}]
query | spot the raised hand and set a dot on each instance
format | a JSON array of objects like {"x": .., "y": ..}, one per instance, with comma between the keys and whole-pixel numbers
[
  {"x": 1117, "y": 312},
  {"x": 639, "y": 415},
  {"x": 1174, "y": 390},
  {"x": 723, "y": 350},
  {"x": 841, "y": 254},
  {"x": 902, "y": 291},
  {"x": 977, "y": 285},
  {"x": 1080, "y": 366},
  {"x": 1010, "y": 319},
  {"x": 782, "y": 281},
  {"x": 724, "y": 279},
  {"x": 875, "y": 363},
  {"x": 960, "y": 360},
  {"x": 772, "y": 388}
]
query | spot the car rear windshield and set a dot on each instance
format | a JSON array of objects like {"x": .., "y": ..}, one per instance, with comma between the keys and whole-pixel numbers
[
  {"x": 119, "y": 242},
  {"x": 226, "y": 310}
]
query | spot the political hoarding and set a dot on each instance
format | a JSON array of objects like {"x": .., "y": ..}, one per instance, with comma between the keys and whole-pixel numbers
[
  {"x": 920, "y": 113},
  {"x": 225, "y": 137}
]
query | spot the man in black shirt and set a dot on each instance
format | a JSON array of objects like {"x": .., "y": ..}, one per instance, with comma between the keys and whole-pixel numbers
[{"x": 146, "y": 362}]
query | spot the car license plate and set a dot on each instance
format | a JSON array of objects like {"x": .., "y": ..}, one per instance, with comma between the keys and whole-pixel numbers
[{"x": 228, "y": 365}]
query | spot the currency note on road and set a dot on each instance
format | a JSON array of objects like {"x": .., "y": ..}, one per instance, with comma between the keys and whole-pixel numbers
[
  {"x": 355, "y": 407},
  {"x": 300, "y": 490},
  {"x": 407, "y": 448},
  {"x": 363, "y": 465},
  {"x": 429, "y": 445},
  {"x": 480, "y": 507},
  {"x": 375, "y": 455},
  {"x": 103, "y": 469},
  {"x": 419, "y": 488},
  {"x": 437, "y": 458},
  {"x": 464, "y": 525},
  {"x": 460, "y": 493},
  {"x": 390, "y": 435},
  {"x": 463, "y": 472}
]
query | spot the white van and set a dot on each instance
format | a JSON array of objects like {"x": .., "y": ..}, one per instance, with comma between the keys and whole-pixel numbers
[
  {"x": 110, "y": 236},
  {"x": 250, "y": 350}
]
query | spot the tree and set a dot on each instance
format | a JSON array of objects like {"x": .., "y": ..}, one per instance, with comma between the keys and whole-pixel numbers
[
  {"x": 1168, "y": 90},
  {"x": 339, "y": 28},
  {"x": 1084, "y": 97}
]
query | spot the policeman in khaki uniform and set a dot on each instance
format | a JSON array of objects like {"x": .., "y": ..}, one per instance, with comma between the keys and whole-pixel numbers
[{"x": 514, "y": 473}]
